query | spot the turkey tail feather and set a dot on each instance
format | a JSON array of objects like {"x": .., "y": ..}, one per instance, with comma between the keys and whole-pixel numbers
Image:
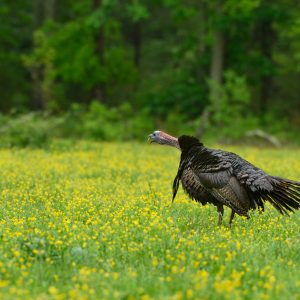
[
  {"x": 177, "y": 180},
  {"x": 175, "y": 187},
  {"x": 285, "y": 196}
]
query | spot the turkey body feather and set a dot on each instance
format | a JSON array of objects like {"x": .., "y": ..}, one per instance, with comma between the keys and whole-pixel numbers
[{"x": 224, "y": 178}]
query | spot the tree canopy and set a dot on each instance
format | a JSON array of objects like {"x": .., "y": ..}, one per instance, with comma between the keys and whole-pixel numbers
[{"x": 232, "y": 58}]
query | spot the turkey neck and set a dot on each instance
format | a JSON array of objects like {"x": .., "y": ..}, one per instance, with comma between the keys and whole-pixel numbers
[
  {"x": 187, "y": 143},
  {"x": 169, "y": 140}
]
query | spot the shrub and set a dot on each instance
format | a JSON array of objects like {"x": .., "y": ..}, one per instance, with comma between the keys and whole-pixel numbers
[{"x": 29, "y": 129}]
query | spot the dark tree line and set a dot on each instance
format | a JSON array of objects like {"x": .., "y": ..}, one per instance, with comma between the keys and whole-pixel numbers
[{"x": 221, "y": 57}]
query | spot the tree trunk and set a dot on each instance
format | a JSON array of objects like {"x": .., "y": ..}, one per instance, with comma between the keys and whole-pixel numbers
[
  {"x": 37, "y": 102},
  {"x": 36, "y": 76},
  {"x": 266, "y": 42},
  {"x": 216, "y": 68},
  {"x": 38, "y": 16},
  {"x": 202, "y": 45},
  {"x": 49, "y": 9},
  {"x": 98, "y": 90},
  {"x": 137, "y": 42},
  {"x": 41, "y": 90},
  {"x": 204, "y": 120}
]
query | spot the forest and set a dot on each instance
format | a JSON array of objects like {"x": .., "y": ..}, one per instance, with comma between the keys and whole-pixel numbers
[
  {"x": 86, "y": 203},
  {"x": 124, "y": 68}
]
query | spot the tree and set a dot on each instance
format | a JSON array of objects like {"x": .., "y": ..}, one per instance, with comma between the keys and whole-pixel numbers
[
  {"x": 168, "y": 58},
  {"x": 40, "y": 63},
  {"x": 99, "y": 92},
  {"x": 15, "y": 39}
]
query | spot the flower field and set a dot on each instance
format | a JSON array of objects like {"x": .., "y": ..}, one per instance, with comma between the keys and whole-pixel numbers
[{"x": 95, "y": 221}]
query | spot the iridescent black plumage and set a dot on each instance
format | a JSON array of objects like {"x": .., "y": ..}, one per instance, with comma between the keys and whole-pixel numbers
[{"x": 224, "y": 178}]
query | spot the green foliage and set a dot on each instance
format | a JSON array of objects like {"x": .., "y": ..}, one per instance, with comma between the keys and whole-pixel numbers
[
  {"x": 28, "y": 130},
  {"x": 175, "y": 92},
  {"x": 40, "y": 64},
  {"x": 241, "y": 9},
  {"x": 138, "y": 11},
  {"x": 15, "y": 37},
  {"x": 236, "y": 131},
  {"x": 70, "y": 63},
  {"x": 233, "y": 103},
  {"x": 100, "y": 122},
  {"x": 157, "y": 57},
  {"x": 74, "y": 55}
]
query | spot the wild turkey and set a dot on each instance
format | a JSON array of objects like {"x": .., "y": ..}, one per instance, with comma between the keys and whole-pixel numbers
[{"x": 224, "y": 178}]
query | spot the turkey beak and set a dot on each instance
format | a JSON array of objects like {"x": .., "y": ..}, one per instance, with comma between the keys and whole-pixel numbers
[{"x": 152, "y": 138}]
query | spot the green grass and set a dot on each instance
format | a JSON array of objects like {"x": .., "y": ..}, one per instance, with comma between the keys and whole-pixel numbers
[{"x": 95, "y": 221}]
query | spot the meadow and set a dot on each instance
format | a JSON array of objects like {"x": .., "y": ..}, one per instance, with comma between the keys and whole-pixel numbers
[{"x": 95, "y": 221}]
